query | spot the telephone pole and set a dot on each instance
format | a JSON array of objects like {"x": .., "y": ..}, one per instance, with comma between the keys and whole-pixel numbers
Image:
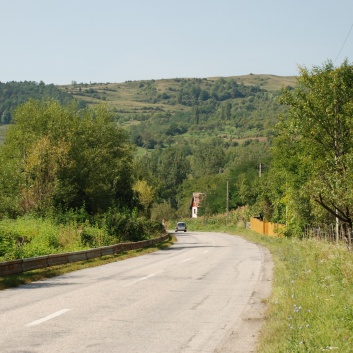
[{"x": 227, "y": 201}]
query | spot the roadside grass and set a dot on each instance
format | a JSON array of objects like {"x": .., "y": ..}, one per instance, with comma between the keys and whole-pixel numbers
[
  {"x": 311, "y": 305},
  {"x": 16, "y": 280}
]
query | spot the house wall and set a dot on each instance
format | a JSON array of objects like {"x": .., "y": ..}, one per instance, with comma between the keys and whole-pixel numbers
[{"x": 194, "y": 212}]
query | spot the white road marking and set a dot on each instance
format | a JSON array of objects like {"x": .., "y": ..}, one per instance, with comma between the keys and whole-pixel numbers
[
  {"x": 186, "y": 260},
  {"x": 142, "y": 279},
  {"x": 49, "y": 317}
]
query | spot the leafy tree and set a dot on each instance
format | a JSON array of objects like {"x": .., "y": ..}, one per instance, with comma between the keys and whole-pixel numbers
[
  {"x": 165, "y": 169},
  {"x": 66, "y": 157},
  {"x": 318, "y": 131},
  {"x": 207, "y": 158},
  {"x": 145, "y": 194}
]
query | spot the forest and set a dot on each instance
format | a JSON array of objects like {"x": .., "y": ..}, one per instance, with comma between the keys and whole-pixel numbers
[
  {"x": 114, "y": 160},
  {"x": 14, "y": 93}
]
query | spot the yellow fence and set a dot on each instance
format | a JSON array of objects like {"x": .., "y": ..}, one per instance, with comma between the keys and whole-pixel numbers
[{"x": 266, "y": 228}]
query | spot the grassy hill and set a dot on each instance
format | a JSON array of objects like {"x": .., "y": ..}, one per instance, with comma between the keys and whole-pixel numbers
[
  {"x": 159, "y": 111},
  {"x": 130, "y": 97}
]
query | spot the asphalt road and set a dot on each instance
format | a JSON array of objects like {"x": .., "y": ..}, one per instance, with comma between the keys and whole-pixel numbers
[{"x": 204, "y": 294}]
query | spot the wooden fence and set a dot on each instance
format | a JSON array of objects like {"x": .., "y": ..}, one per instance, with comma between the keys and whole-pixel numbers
[{"x": 266, "y": 228}]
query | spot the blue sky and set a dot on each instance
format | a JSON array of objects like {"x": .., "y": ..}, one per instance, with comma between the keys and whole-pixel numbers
[{"x": 60, "y": 41}]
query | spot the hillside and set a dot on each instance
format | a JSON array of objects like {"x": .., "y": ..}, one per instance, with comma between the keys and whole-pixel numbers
[
  {"x": 131, "y": 96},
  {"x": 157, "y": 111},
  {"x": 235, "y": 108}
]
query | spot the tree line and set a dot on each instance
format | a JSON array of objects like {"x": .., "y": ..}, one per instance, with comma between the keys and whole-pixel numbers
[{"x": 14, "y": 93}]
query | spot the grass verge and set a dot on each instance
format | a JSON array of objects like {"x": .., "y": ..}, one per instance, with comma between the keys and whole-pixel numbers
[
  {"x": 41, "y": 274},
  {"x": 311, "y": 305}
]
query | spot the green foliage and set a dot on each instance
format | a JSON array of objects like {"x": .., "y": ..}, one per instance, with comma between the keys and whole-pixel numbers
[
  {"x": 314, "y": 149},
  {"x": 212, "y": 107},
  {"x": 126, "y": 226},
  {"x": 165, "y": 169},
  {"x": 162, "y": 212},
  {"x": 13, "y": 94},
  {"x": 66, "y": 157},
  {"x": 208, "y": 158},
  {"x": 32, "y": 236}
]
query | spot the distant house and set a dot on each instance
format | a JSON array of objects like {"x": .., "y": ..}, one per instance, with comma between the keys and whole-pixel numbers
[{"x": 197, "y": 198}]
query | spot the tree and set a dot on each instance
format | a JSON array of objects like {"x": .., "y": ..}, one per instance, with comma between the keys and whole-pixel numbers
[
  {"x": 67, "y": 157},
  {"x": 207, "y": 159},
  {"x": 145, "y": 195},
  {"x": 165, "y": 170},
  {"x": 318, "y": 129}
]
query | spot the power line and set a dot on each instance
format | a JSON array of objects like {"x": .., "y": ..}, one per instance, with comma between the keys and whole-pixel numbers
[{"x": 344, "y": 42}]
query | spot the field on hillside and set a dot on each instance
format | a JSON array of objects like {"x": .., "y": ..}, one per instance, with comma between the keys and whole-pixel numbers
[
  {"x": 267, "y": 82},
  {"x": 134, "y": 97},
  {"x": 125, "y": 98}
]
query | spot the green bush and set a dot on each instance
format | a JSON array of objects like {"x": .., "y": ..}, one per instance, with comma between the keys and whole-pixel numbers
[{"x": 125, "y": 225}]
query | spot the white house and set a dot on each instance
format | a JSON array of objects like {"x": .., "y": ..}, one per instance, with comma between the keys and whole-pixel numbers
[{"x": 196, "y": 202}]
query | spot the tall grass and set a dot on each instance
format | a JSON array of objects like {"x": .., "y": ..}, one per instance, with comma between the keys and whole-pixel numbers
[
  {"x": 311, "y": 306},
  {"x": 33, "y": 236}
]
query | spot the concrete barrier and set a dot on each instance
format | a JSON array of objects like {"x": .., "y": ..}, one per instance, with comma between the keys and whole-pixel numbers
[
  {"x": 10, "y": 267},
  {"x": 58, "y": 259},
  {"x": 107, "y": 250},
  {"x": 34, "y": 263},
  {"x": 118, "y": 248},
  {"x": 23, "y": 265},
  {"x": 93, "y": 253},
  {"x": 78, "y": 256}
]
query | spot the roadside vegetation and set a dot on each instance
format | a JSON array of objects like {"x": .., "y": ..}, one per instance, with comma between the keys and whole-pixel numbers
[{"x": 32, "y": 236}]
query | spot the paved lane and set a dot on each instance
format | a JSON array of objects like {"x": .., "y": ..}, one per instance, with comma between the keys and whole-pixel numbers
[{"x": 201, "y": 295}]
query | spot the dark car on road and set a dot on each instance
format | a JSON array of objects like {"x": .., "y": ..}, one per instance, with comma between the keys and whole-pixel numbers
[{"x": 181, "y": 226}]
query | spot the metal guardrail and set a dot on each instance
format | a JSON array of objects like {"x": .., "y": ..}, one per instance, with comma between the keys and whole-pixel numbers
[{"x": 33, "y": 263}]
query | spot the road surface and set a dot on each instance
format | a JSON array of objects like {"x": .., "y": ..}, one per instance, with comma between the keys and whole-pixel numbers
[{"x": 204, "y": 294}]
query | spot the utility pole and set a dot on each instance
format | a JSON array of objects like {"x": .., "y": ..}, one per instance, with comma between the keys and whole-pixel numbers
[
  {"x": 260, "y": 170},
  {"x": 227, "y": 201}
]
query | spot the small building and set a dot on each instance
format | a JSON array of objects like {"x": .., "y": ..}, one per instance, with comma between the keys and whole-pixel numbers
[{"x": 196, "y": 202}]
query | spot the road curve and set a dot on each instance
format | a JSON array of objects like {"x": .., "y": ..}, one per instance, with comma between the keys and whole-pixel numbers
[{"x": 204, "y": 294}]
